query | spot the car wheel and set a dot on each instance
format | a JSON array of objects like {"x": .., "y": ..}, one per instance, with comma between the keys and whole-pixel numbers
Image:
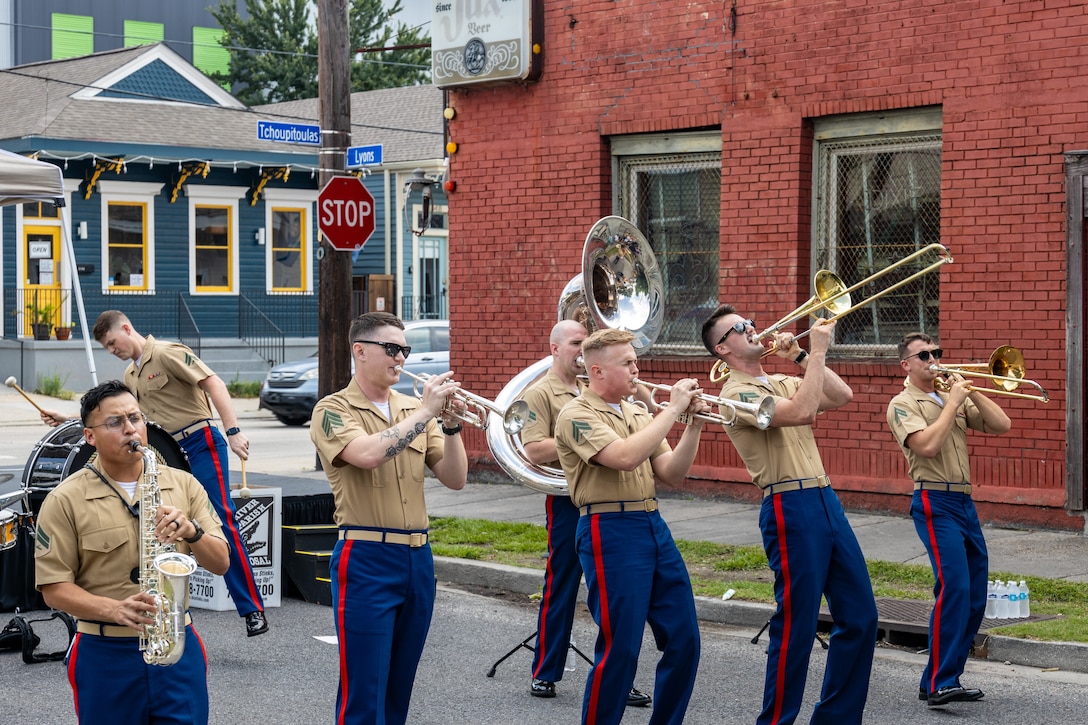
[{"x": 292, "y": 419}]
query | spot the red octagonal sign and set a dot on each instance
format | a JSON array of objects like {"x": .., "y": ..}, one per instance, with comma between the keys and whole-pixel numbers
[{"x": 345, "y": 213}]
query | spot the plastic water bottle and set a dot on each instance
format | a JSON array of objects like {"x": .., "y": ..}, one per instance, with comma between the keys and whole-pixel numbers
[
  {"x": 991, "y": 600},
  {"x": 1025, "y": 600},
  {"x": 1002, "y": 600},
  {"x": 569, "y": 666}
]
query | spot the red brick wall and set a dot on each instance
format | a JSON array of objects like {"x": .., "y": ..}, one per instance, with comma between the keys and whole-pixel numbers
[{"x": 533, "y": 173}]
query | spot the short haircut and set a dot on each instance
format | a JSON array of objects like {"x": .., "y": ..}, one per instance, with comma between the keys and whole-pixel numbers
[
  {"x": 94, "y": 397},
  {"x": 908, "y": 339},
  {"x": 708, "y": 326},
  {"x": 562, "y": 329},
  {"x": 107, "y": 321},
  {"x": 601, "y": 339},
  {"x": 368, "y": 321}
]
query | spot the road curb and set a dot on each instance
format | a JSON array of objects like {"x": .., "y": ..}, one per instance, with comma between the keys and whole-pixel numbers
[{"x": 1071, "y": 656}]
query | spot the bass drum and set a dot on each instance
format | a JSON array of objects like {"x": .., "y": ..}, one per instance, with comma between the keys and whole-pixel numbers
[{"x": 63, "y": 451}]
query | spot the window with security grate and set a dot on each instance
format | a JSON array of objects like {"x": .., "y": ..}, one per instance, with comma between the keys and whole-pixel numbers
[
  {"x": 877, "y": 201},
  {"x": 675, "y": 201}
]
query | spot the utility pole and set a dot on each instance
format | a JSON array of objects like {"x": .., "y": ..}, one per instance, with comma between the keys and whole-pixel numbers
[{"x": 334, "y": 267}]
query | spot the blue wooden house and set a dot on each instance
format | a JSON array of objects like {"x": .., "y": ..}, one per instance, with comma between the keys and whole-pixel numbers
[{"x": 188, "y": 216}]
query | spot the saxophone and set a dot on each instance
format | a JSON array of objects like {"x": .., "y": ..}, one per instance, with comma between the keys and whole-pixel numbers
[{"x": 164, "y": 574}]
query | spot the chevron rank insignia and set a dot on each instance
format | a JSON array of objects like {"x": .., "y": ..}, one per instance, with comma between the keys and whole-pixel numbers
[
  {"x": 41, "y": 540},
  {"x": 900, "y": 414},
  {"x": 748, "y": 396},
  {"x": 532, "y": 415},
  {"x": 579, "y": 427},
  {"x": 189, "y": 359},
  {"x": 330, "y": 420}
]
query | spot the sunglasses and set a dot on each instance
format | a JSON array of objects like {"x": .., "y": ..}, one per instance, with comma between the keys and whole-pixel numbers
[
  {"x": 739, "y": 328},
  {"x": 924, "y": 355},
  {"x": 392, "y": 349},
  {"x": 117, "y": 422}
]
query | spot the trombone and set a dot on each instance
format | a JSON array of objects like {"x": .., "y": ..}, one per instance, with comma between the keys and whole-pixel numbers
[
  {"x": 833, "y": 295},
  {"x": 763, "y": 410},
  {"x": 476, "y": 407},
  {"x": 1006, "y": 369}
]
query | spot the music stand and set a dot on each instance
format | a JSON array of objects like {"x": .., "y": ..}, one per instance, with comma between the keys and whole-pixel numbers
[
  {"x": 525, "y": 643},
  {"x": 755, "y": 640}
]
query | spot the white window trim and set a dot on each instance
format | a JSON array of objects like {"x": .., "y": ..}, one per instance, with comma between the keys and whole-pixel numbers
[
  {"x": 291, "y": 198},
  {"x": 137, "y": 192},
  {"x": 229, "y": 196}
]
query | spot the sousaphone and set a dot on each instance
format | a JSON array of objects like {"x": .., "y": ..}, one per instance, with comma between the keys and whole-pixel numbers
[{"x": 620, "y": 288}]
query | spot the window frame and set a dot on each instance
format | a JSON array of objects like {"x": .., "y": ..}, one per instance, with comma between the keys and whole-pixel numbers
[
  {"x": 288, "y": 200},
  {"x": 132, "y": 193},
  {"x": 207, "y": 195}
]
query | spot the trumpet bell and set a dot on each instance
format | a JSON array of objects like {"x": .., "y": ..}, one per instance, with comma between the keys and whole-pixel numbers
[{"x": 515, "y": 417}]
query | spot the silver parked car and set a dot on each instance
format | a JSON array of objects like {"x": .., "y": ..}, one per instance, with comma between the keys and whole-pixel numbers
[{"x": 290, "y": 389}]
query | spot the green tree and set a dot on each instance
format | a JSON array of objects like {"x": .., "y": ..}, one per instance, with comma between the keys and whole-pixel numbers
[{"x": 273, "y": 52}]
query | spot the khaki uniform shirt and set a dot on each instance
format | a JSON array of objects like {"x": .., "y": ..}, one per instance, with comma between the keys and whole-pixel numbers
[
  {"x": 914, "y": 410},
  {"x": 165, "y": 385},
  {"x": 391, "y": 495},
  {"x": 87, "y": 536},
  {"x": 546, "y": 398},
  {"x": 775, "y": 454},
  {"x": 585, "y": 426}
]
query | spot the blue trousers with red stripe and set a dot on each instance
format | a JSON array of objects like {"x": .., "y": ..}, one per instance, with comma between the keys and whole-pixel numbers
[
  {"x": 382, "y": 599},
  {"x": 207, "y": 451},
  {"x": 560, "y": 594},
  {"x": 948, "y": 525},
  {"x": 112, "y": 685},
  {"x": 813, "y": 552},
  {"x": 635, "y": 575}
]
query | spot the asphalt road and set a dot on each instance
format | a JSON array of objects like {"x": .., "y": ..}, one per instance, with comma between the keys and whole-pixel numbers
[{"x": 289, "y": 676}]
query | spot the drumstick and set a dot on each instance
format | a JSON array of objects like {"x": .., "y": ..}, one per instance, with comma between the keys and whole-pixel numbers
[
  {"x": 245, "y": 492},
  {"x": 11, "y": 383}
]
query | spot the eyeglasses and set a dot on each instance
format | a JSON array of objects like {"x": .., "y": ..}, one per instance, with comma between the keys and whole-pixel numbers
[
  {"x": 925, "y": 354},
  {"x": 391, "y": 348},
  {"x": 117, "y": 422},
  {"x": 739, "y": 328}
]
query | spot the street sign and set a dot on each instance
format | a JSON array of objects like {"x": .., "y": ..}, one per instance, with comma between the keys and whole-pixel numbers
[
  {"x": 289, "y": 133},
  {"x": 345, "y": 213},
  {"x": 364, "y": 155}
]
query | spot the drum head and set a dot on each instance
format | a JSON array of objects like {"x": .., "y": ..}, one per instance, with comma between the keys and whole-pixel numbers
[{"x": 63, "y": 451}]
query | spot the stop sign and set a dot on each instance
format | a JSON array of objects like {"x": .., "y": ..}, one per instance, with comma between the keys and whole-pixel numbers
[{"x": 345, "y": 213}]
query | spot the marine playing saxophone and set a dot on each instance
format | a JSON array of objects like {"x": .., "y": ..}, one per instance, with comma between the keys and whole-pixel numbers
[{"x": 164, "y": 574}]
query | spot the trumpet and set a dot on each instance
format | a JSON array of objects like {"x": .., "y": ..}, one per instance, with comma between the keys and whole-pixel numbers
[
  {"x": 1006, "y": 369},
  {"x": 763, "y": 410},
  {"x": 476, "y": 407},
  {"x": 833, "y": 295}
]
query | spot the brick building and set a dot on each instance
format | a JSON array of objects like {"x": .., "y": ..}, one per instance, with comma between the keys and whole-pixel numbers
[{"x": 755, "y": 143}]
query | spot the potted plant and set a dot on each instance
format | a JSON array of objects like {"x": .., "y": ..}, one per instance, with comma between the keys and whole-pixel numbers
[
  {"x": 41, "y": 317},
  {"x": 63, "y": 332}
]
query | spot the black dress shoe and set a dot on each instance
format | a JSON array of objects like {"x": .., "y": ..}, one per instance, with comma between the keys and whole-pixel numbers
[
  {"x": 256, "y": 624},
  {"x": 970, "y": 694},
  {"x": 946, "y": 695},
  {"x": 922, "y": 694},
  {"x": 637, "y": 698},
  {"x": 542, "y": 688}
]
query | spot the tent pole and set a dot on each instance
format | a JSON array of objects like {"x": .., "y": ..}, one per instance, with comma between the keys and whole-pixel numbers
[{"x": 69, "y": 251}]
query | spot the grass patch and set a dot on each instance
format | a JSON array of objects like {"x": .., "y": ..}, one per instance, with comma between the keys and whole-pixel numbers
[
  {"x": 244, "y": 388},
  {"x": 715, "y": 568},
  {"x": 53, "y": 386}
]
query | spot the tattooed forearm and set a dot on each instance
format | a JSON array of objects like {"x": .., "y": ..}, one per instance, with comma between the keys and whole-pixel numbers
[{"x": 400, "y": 443}]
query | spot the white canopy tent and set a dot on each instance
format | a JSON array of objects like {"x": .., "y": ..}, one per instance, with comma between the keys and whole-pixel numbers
[{"x": 24, "y": 180}]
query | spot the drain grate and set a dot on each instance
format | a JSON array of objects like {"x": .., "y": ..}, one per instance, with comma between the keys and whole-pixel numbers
[{"x": 901, "y": 619}]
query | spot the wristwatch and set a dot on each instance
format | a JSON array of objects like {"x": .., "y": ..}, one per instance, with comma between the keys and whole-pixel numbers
[
  {"x": 233, "y": 431},
  {"x": 199, "y": 532},
  {"x": 450, "y": 431},
  {"x": 801, "y": 357}
]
